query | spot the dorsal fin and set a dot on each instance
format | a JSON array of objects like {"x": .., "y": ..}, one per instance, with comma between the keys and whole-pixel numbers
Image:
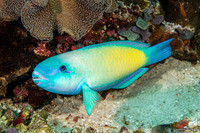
[{"x": 125, "y": 42}]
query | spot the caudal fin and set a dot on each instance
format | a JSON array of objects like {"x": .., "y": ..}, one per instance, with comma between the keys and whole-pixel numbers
[{"x": 158, "y": 52}]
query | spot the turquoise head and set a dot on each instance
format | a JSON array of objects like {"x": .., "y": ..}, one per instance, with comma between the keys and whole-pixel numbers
[{"x": 58, "y": 75}]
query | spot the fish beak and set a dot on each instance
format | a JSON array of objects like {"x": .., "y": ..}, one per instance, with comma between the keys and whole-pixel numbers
[{"x": 37, "y": 77}]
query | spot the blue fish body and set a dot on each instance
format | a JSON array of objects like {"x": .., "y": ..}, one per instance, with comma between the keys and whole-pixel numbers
[{"x": 98, "y": 67}]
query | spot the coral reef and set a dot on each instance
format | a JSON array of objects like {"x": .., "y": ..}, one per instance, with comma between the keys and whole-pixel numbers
[
  {"x": 165, "y": 99},
  {"x": 173, "y": 12},
  {"x": 12, "y": 130},
  {"x": 20, "y": 94},
  {"x": 40, "y": 17},
  {"x": 37, "y": 124},
  {"x": 129, "y": 34},
  {"x": 181, "y": 124},
  {"x": 41, "y": 50},
  {"x": 16, "y": 55},
  {"x": 27, "y": 92},
  {"x": 77, "y": 18},
  {"x": 10, "y": 9},
  {"x": 5, "y": 80},
  {"x": 142, "y": 24},
  {"x": 158, "y": 19},
  {"x": 143, "y": 4},
  {"x": 14, "y": 48},
  {"x": 38, "y": 20},
  {"x": 143, "y": 33},
  {"x": 21, "y": 118},
  {"x": 24, "y": 115}
]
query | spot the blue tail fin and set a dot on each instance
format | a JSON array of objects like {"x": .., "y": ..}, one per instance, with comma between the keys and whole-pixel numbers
[{"x": 158, "y": 52}]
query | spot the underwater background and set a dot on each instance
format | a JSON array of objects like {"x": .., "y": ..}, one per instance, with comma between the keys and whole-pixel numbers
[{"x": 166, "y": 99}]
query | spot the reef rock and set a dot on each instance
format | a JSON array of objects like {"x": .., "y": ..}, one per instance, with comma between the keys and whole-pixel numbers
[
  {"x": 174, "y": 13},
  {"x": 129, "y": 34},
  {"x": 16, "y": 56}
]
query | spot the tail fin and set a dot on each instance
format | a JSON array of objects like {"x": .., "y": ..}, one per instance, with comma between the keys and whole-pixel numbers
[{"x": 158, "y": 52}]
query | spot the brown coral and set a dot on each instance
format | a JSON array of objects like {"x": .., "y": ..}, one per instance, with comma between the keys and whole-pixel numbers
[
  {"x": 79, "y": 16},
  {"x": 40, "y": 17},
  {"x": 38, "y": 20},
  {"x": 10, "y": 9}
]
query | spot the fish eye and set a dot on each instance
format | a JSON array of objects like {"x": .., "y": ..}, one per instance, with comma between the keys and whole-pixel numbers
[{"x": 63, "y": 68}]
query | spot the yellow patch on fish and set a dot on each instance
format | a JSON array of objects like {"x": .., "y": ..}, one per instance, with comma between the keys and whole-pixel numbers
[{"x": 117, "y": 62}]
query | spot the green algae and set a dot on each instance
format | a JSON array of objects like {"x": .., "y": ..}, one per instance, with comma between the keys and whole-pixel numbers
[
  {"x": 142, "y": 24},
  {"x": 129, "y": 34}
]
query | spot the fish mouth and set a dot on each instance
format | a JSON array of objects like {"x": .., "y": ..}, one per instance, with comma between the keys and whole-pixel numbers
[{"x": 37, "y": 77}]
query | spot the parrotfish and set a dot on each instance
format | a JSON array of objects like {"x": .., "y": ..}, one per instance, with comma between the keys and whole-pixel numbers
[{"x": 115, "y": 64}]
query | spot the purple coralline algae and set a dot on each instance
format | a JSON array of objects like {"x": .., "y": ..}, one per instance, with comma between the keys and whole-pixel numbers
[
  {"x": 147, "y": 13},
  {"x": 158, "y": 19},
  {"x": 185, "y": 34},
  {"x": 129, "y": 34},
  {"x": 12, "y": 130},
  {"x": 145, "y": 34},
  {"x": 20, "y": 93},
  {"x": 112, "y": 33}
]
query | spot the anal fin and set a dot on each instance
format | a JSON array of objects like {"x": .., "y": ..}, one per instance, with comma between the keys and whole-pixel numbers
[
  {"x": 131, "y": 78},
  {"x": 90, "y": 98}
]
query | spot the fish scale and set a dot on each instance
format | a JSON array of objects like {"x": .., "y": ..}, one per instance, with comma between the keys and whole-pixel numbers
[{"x": 115, "y": 61}]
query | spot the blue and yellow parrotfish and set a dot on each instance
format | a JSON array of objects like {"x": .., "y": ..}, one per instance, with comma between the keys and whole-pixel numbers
[{"x": 98, "y": 67}]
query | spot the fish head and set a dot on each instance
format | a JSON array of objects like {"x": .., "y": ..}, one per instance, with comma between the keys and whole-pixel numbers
[{"x": 57, "y": 75}]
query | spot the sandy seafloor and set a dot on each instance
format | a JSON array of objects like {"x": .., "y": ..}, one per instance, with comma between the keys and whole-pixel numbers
[{"x": 166, "y": 94}]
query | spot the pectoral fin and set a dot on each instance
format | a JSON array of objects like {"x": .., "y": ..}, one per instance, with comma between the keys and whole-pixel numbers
[
  {"x": 131, "y": 79},
  {"x": 90, "y": 98}
]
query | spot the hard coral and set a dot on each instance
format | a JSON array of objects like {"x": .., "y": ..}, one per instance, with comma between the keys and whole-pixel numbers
[
  {"x": 10, "y": 9},
  {"x": 38, "y": 20},
  {"x": 24, "y": 115},
  {"x": 77, "y": 17},
  {"x": 40, "y": 17}
]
